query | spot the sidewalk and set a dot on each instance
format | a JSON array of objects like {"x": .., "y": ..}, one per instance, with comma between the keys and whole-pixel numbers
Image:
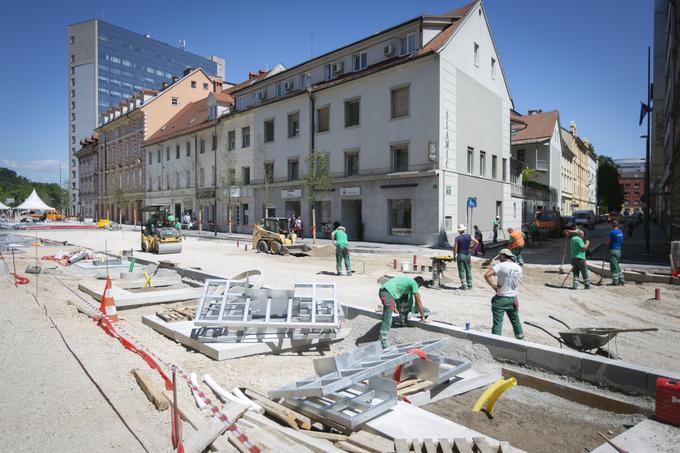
[{"x": 634, "y": 251}]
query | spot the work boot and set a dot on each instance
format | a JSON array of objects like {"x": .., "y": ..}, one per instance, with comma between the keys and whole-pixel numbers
[
  {"x": 463, "y": 287},
  {"x": 587, "y": 286},
  {"x": 621, "y": 283},
  {"x": 338, "y": 273}
]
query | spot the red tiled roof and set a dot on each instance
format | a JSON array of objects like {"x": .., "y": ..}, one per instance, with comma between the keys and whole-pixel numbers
[
  {"x": 538, "y": 126},
  {"x": 252, "y": 78}
]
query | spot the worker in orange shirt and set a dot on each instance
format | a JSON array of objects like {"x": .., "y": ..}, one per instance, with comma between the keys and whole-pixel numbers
[{"x": 516, "y": 245}]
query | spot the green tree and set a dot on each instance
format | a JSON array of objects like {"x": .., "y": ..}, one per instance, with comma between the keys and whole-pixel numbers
[
  {"x": 609, "y": 192},
  {"x": 317, "y": 179},
  {"x": 527, "y": 174},
  {"x": 19, "y": 188}
]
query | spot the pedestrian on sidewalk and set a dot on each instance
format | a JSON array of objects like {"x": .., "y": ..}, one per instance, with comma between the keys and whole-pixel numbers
[
  {"x": 578, "y": 259},
  {"x": 496, "y": 226},
  {"x": 480, "y": 240},
  {"x": 508, "y": 275},
  {"x": 516, "y": 245},
  {"x": 397, "y": 296},
  {"x": 461, "y": 253},
  {"x": 298, "y": 227},
  {"x": 339, "y": 240},
  {"x": 615, "y": 242}
]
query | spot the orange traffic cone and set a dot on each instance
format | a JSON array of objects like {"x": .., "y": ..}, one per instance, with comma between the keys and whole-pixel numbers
[{"x": 108, "y": 305}]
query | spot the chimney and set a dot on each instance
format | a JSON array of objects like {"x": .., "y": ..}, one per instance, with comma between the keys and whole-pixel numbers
[
  {"x": 533, "y": 112},
  {"x": 175, "y": 79},
  {"x": 252, "y": 75},
  {"x": 217, "y": 84},
  {"x": 572, "y": 126},
  {"x": 187, "y": 71},
  {"x": 164, "y": 85}
]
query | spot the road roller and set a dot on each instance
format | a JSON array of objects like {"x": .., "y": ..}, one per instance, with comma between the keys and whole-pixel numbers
[{"x": 159, "y": 234}]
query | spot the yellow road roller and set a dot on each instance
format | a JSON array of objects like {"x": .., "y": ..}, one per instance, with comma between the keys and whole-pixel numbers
[{"x": 159, "y": 234}]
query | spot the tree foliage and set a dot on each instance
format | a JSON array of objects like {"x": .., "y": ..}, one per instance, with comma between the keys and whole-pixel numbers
[
  {"x": 318, "y": 178},
  {"x": 609, "y": 192},
  {"x": 19, "y": 188}
]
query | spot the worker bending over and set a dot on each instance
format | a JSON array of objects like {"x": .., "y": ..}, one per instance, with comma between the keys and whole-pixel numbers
[
  {"x": 461, "y": 253},
  {"x": 397, "y": 295},
  {"x": 508, "y": 275},
  {"x": 516, "y": 245},
  {"x": 339, "y": 240}
]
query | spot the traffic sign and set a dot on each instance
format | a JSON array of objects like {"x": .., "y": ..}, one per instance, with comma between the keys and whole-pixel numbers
[{"x": 472, "y": 202}]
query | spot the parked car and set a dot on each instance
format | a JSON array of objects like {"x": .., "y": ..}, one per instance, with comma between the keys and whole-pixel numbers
[
  {"x": 549, "y": 223},
  {"x": 585, "y": 218},
  {"x": 566, "y": 221}
]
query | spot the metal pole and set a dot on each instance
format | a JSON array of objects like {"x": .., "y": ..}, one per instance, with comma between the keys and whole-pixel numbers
[
  {"x": 215, "y": 182},
  {"x": 647, "y": 166},
  {"x": 14, "y": 264}
]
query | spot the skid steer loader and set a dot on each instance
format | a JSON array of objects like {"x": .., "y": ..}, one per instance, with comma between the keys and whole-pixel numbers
[{"x": 274, "y": 236}]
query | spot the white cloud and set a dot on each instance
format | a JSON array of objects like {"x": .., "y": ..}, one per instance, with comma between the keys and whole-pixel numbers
[{"x": 44, "y": 165}]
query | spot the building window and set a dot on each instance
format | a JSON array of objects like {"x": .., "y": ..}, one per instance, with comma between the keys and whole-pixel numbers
[
  {"x": 323, "y": 116},
  {"x": 73, "y": 82},
  {"x": 400, "y": 217},
  {"x": 73, "y": 127},
  {"x": 213, "y": 174},
  {"x": 245, "y": 137},
  {"x": 269, "y": 130},
  {"x": 482, "y": 163},
  {"x": 293, "y": 125},
  {"x": 202, "y": 144},
  {"x": 73, "y": 103},
  {"x": 269, "y": 172},
  {"x": 359, "y": 61},
  {"x": 177, "y": 184},
  {"x": 352, "y": 113},
  {"x": 521, "y": 155},
  {"x": 407, "y": 44},
  {"x": 201, "y": 176},
  {"x": 167, "y": 153},
  {"x": 305, "y": 80},
  {"x": 399, "y": 157},
  {"x": 214, "y": 142},
  {"x": 73, "y": 40},
  {"x": 73, "y": 58},
  {"x": 293, "y": 169},
  {"x": 476, "y": 55},
  {"x": 245, "y": 175},
  {"x": 493, "y": 68},
  {"x": 470, "y": 160},
  {"x": 504, "y": 169},
  {"x": 205, "y": 86},
  {"x": 494, "y": 163},
  {"x": 193, "y": 84},
  {"x": 281, "y": 88},
  {"x": 176, "y": 151},
  {"x": 73, "y": 70},
  {"x": 150, "y": 158},
  {"x": 188, "y": 148},
  {"x": 158, "y": 156},
  {"x": 231, "y": 140},
  {"x": 399, "y": 99},
  {"x": 352, "y": 163},
  {"x": 330, "y": 71},
  {"x": 73, "y": 116},
  {"x": 188, "y": 177}
]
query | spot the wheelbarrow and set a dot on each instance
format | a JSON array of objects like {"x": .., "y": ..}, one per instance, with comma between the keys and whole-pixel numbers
[{"x": 587, "y": 339}]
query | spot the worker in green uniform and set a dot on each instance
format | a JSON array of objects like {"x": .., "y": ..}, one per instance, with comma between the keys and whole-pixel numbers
[
  {"x": 397, "y": 295},
  {"x": 339, "y": 240},
  {"x": 578, "y": 259},
  {"x": 461, "y": 253},
  {"x": 615, "y": 242}
]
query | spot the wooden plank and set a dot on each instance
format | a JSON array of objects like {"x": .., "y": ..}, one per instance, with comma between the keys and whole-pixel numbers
[
  {"x": 150, "y": 390},
  {"x": 402, "y": 445},
  {"x": 430, "y": 445},
  {"x": 481, "y": 445},
  {"x": 281, "y": 439},
  {"x": 445, "y": 445},
  {"x": 197, "y": 420},
  {"x": 462, "y": 446},
  {"x": 333, "y": 437},
  {"x": 314, "y": 444},
  {"x": 276, "y": 410},
  {"x": 351, "y": 448},
  {"x": 406, "y": 383},
  {"x": 371, "y": 442},
  {"x": 201, "y": 439},
  {"x": 414, "y": 388}
]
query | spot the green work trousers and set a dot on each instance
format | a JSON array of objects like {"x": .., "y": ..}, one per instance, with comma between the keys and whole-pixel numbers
[
  {"x": 578, "y": 267},
  {"x": 615, "y": 266},
  {"x": 340, "y": 254},
  {"x": 517, "y": 251},
  {"x": 464, "y": 270},
  {"x": 500, "y": 306},
  {"x": 404, "y": 305}
]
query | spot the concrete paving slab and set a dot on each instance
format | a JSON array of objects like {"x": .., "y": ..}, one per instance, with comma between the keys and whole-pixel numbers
[
  {"x": 648, "y": 435},
  {"x": 560, "y": 361},
  {"x": 466, "y": 381},
  {"x": 619, "y": 375},
  {"x": 128, "y": 299},
  {"x": 421, "y": 425},
  {"x": 182, "y": 333},
  {"x": 156, "y": 282}
]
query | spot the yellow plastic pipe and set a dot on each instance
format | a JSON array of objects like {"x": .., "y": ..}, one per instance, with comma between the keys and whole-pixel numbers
[{"x": 492, "y": 393}]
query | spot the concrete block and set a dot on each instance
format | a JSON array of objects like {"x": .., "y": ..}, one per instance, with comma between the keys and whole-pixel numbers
[
  {"x": 621, "y": 376},
  {"x": 648, "y": 435},
  {"x": 653, "y": 374},
  {"x": 560, "y": 361},
  {"x": 502, "y": 348}
]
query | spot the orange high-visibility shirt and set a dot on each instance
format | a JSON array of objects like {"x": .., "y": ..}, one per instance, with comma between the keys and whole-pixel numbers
[{"x": 517, "y": 239}]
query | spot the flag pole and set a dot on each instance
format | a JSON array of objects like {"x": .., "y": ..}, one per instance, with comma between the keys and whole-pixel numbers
[{"x": 647, "y": 166}]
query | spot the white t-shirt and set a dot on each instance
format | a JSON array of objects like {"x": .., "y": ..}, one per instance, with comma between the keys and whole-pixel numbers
[{"x": 508, "y": 274}]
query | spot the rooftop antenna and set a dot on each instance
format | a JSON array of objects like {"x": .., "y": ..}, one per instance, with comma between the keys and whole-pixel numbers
[{"x": 182, "y": 43}]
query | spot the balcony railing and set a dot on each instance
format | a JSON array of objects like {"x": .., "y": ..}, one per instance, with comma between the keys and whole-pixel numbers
[{"x": 529, "y": 193}]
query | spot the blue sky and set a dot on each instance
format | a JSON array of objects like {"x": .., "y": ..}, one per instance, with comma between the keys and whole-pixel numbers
[{"x": 586, "y": 58}]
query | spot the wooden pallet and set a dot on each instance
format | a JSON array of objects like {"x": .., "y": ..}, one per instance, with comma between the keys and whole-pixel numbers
[
  {"x": 477, "y": 445},
  {"x": 177, "y": 314}
]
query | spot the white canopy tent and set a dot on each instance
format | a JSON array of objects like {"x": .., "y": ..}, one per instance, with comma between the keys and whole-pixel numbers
[
  {"x": 34, "y": 203},
  {"x": 4, "y": 207}
]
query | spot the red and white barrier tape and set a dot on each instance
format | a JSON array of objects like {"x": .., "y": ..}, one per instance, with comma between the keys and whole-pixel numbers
[{"x": 109, "y": 328}]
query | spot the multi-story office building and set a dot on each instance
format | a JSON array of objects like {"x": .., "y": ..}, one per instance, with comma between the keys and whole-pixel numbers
[
  {"x": 88, "y": 166},
  {"x": 415, "y": 120},
  {"x": 106, "y": 65}
]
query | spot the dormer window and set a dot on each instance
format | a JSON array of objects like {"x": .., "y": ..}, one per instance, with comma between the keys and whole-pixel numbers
[
  {"x": 359, "y": 61},
  {"x": 328, "y": 72},
  {"x": 305, "y": 80},
  {"x": 281, "y": 89},
  {"x": 407, "y": 44}
]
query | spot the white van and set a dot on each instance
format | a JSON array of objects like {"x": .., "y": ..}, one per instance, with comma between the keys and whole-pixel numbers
[{"x": 585, "y": 218}]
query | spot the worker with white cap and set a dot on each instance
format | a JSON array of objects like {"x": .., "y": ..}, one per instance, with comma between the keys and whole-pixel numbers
[
  {"x": 508, "y": 274},
  {"x": 461, "y": 253},
  {"x": 496, "y": 226}
]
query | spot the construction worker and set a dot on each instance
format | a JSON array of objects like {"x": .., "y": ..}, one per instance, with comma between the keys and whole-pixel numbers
[
  {"x": 397, "y": 295},
  {"x": 496, "y": 226},
  {"x": 508, "y": 275},
  {"x": 461, "y": 253},
  {"x": 516, "y": 245},
  {"x": 615, "y": 242},
  {"x": 578, "y": 259},
  {"x": 480, "y": 240},
  {"x": 339, "y": 240}
]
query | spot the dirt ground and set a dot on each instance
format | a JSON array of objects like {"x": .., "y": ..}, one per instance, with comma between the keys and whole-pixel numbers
[{"x": 630, "y": 306}]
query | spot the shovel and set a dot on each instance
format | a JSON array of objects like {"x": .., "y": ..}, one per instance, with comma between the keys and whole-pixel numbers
[
  {"x": 564, "y": 252},
  {"x": 604, "y": 258}
]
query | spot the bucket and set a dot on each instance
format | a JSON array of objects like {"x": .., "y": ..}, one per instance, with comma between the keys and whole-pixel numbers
[{"x": 404, "y": 266}]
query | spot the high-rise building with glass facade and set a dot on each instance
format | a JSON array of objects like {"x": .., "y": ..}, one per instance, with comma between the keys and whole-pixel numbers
[{"x": 107, "y": 64}]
